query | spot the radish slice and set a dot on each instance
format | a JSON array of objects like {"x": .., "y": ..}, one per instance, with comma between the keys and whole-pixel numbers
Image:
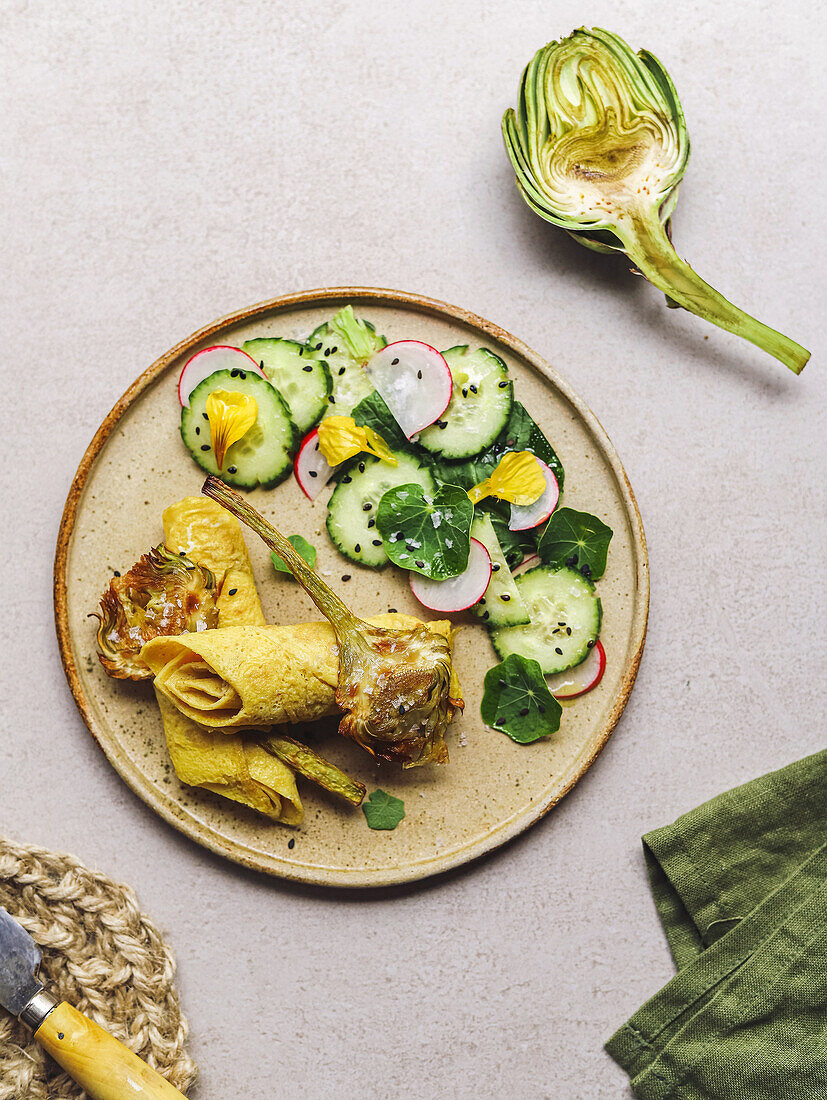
[
  {"x": 207, "y": 362},
  {"x": 414, "y": 381},
  {"x": 525, "y": 565},
  {"x": 582, "y": 678},
  {"x": 524, "y": 516},
  {"x": 457, "y": 593},
  {"x": 310, "y": 466}
]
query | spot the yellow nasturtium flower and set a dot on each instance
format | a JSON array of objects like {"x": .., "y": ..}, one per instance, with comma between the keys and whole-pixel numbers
[
  {"x": 231, "y": 415},
  {"x": 340, "y": 438},
  {"x": 517, "y": 478}
]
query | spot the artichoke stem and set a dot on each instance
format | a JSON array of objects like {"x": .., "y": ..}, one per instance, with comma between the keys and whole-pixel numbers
[
  {"x": 341, "y": 617},
  {"x": 652, "y": 253}
]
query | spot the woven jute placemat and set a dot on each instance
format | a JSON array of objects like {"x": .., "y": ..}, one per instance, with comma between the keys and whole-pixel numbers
[{"x": 102, "y": 955}]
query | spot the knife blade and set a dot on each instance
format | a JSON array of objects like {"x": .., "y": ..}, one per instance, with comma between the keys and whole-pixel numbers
[
  {"x": 101, "y": 1065},
  {"x": 19, "y": 963}
]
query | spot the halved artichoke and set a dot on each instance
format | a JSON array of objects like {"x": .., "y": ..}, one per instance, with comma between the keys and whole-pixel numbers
[
  {"x": 162, "y": 594},
  {"x": 599, "y": 146}
]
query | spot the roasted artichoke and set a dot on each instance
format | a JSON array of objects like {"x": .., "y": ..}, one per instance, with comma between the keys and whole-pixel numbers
[
  {"x": 397, "y": 686},
  {"x": 162, "y": 594}
]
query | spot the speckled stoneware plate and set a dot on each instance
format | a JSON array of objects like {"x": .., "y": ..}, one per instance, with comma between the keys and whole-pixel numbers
[{"x": 492, "y": 788}]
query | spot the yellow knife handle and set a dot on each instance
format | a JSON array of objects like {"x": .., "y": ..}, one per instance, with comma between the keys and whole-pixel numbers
[{"x": 97, "y": 1061}]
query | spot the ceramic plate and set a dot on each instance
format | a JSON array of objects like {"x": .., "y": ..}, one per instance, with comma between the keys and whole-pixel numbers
[{"x": 493, "y": 788}]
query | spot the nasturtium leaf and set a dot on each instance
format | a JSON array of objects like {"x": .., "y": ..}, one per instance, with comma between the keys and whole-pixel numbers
[
  {"x": 382, "y": 810},
  {"x": 517, "y": 700},
  {"x": 576, "y": 539},
  {"x": 428, "y": 534},
  {"x": 373, "y": 412},
  {"x": 307, "y": 551}
]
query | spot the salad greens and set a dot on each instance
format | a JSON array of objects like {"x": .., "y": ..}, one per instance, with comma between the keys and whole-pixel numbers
[
  {"x": 576, "y": 539},
  {"x": 428, "y": 534},
  {"x": 383, "y": 810},
  {"x": 599, "y": 147},
  {"x": 517, "y": 700},
  {"x": 373, "y": 412},
  {"x": 520, "y": 434},
  {"x": 306, "y": 549}
]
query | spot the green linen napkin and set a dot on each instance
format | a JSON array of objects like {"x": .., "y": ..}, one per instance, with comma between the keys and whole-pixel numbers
[{"x": 741, "y": 889}]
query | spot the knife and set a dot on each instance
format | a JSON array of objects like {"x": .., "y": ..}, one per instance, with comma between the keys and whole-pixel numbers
[{"x": 105, "y": 1068}]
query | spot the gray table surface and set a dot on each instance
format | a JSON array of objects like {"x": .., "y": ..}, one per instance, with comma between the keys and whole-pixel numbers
[{"x": 167, "y": 163}]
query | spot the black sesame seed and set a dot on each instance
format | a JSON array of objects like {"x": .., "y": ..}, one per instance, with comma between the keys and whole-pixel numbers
[
  {"x": 366, "y": 507},
  {"x": 473, "y": 389},
  {"x": 327, "y": 351},
  {"x": 198, "y": 431},
  {"x": 371, "y": 523},
  {"x": 485, "y": 615},
  {"x": 557, "y": 649},
  {"x": 318, "y": 347},
  {"x": 505, "y": 597},
  {"x": 401, "y": 709},
  {"x": 419, "y": 564},
  {"x": 377, "y": 542},
  {"x": 394, "y": 362},
  {"x": 334, "y": 349},
  {"x": 590, "y": 643},
  {"x": 232, "y": 592},
  {"x": 464, "y": 391},
  {"x": 234, "y": 373},
  {"x": 307, "y": 367},
  {"x": 502, "y": 385},
  {"x": 301, "y": 352},
  {"x": 568, "y": 631},
  {"x": 442, "y": 423},
  {"x": 232, "y": 469},
  {"x": 586, "y": 570},
  {"x": 117, "y": 572},
  {"x": 419, "y": 374},
  {"x": 341, "y": 371},
  {"x": 242, "y": 374},
  {"x": 495, "y": 566},
  {"x": 205, "y": 446},
  {"x": 205, "y": 416},
  {"x": 346, "y": 576},
  {"x": 291, "y": 843},
  {"x": 347, "y": 479},
  {"x": 358, "y": 548},
  {"x": 559, "y": 623},
  {"x": 313, "y": 473},
  {"x": 332, "y": 399},
  {"x": 481, "y": 599},
  {"x": 392, "y": 611},
  {"x": 524, "y": 712},
  {"x": 361, "y": 467}
]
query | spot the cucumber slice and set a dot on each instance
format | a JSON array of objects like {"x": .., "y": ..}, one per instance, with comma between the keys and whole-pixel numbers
[
  {"x": 302, "y": 379},
  {"x": 349, "y": 378},
  {"x": 262, "y": 456},
  {"x": 565, "y": 619},
  {"x": 502, "y": 604},
  {"x": 351, "y": 516},
  {"x": 479, "y": 407}
]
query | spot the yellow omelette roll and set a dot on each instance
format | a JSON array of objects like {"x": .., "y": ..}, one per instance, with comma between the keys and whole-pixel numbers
[
  {"x": 245, "y": 676},
  {"x": 234, "y": 766}
]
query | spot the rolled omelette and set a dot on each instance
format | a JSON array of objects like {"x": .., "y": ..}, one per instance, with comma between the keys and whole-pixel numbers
[
  {"x": 235, "y": 765},
  {"x": 252, "y": 676}
]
